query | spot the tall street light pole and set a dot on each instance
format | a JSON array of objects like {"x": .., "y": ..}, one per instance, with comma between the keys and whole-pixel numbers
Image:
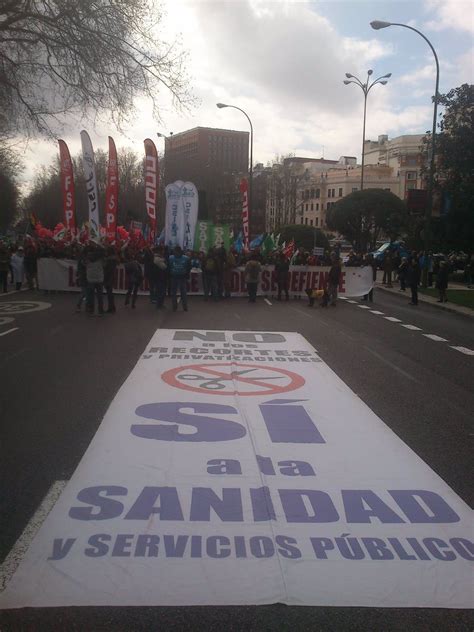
[
  {"x": 377, "y": 25},
  {"x": 224, "y": 105},
  {"x": 365, "y": 87}
]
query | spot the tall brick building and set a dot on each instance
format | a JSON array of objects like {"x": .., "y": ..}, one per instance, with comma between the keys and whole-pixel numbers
[{"x": 211, "y": 158}]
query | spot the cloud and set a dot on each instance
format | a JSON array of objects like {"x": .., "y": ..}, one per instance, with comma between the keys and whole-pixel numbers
[{"x": 450, "y": 14}]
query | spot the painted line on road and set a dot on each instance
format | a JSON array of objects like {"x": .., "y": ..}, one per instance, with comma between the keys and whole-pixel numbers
[
  {"x": 364, "y": 306},
  {"x": 434, "y": 337},
  {"x": 464, "y": 350},
  {"x": 301, "y": 312},
  {"x": 9, "y": 331},
  {"x": 393, "y": 366},
  {"x": 267, "y": 301},
  {"x": 353, "y": 302},
  {"x": 343, "y": 298},
  {"x": 412, "y": 327},
  {"x": 374, "y": 311},
  {"x": 392, "y": 319},
  {"x": 21, "y": 546}
]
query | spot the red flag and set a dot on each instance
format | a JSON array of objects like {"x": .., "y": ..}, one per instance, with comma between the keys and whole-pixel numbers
[
  {"x": 111, "y": 192},
  {"x": 67, "y": 188},
  {"x": 290, "y": 249},
  {"x": 244, "y": 189},
  {"x": 151, "y": 183}
]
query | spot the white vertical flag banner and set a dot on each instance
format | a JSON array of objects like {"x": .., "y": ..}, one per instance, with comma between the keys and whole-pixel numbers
[
  {"x": 190, "y": 205},
  {"x": 236, "y": 468},
  {"x": 174, "y": 214},
  {"x": 91, "y": 186}
]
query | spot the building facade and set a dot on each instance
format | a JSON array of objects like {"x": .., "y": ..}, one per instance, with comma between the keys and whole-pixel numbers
[{"x": 213, "y": 159}]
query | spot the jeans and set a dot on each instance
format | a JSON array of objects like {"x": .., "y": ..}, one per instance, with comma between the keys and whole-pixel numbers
[
  {"x": 132, "y": 290},
  {"x": 92, "y": 290},
  {"x": 160, "y": 293},
  {"x": 110, "y": 298},
  {"x": 82, "y": 297},
  {"x": 252, "y": 291},
  {"x": 332, "y": 291},
  {"x": 210, "y": 286},
  {"x": 414, "y": 293},
  {"x": 387, "y": 277},
  {"x": 179, "y": 282},
  {"x": 283, "y": 287}
]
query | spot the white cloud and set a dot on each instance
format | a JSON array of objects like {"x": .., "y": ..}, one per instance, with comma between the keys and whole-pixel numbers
[{"x": 450, "y": 14}]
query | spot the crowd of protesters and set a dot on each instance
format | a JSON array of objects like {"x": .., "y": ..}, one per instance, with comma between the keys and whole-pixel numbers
[{"x": 167, "y": 272}]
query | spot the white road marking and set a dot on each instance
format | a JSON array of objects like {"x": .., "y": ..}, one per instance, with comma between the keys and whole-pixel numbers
[
  {"x": 364, "y": 306},
  {"x": 267, "y": 301},
  {"x": 392, "y": 319},
  {"x": 374, "y": 311},
  {"x": 5, "y": 320},
  {"x": 353, "y": 302},
  {"x": 464, "y": 350},
  {"x": 21, "y": 546},
  {"x": 435, "y": 337},
  {"x": 9, "y": 331},
  {"x": 412, "y": 327},
  {"x": 343, "y": 298}
]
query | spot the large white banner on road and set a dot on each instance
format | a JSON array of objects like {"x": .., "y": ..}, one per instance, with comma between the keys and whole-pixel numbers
[
  {"x": 237, "y": 468},
  {"x": 60, "y": 275}
]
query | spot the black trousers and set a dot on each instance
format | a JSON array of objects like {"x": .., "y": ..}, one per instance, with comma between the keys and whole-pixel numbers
[
  {"x": 252, "y": 291},
  {"x": 3, "y": 280},
  {"x": 414, "y": 293},
  {"x": 110, "y": 298}
]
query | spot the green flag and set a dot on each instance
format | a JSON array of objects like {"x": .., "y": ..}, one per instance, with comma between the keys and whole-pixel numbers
[
  {"x": 268, "y": 244},
  {"x": 202, "y": 236}
]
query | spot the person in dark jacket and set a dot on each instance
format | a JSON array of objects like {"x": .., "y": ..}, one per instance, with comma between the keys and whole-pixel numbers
[
  {"x": 134, "y": 273},
  {"x": 402, "y": 274},
  {"x": 31, "y": 266},
  {"x": 413, "y": 279},
  {"x": 81, "y": 279},
  {"x": 442, "y": 282},
  {"x": 282, "y": 271},
  {"x": 95, "y": 278},
  {"x": 159, "y": 275},
  {"x": 179, "y": 267},
  {"x": 111, "y": 262},
  {"x": 333, "y": 279}
]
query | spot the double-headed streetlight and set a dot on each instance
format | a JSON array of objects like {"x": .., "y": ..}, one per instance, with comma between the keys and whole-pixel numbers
[
  {"x": 377, "y": 25},
  {"x": 365, "y": 87},
  {"x": 225, "y": 105}
]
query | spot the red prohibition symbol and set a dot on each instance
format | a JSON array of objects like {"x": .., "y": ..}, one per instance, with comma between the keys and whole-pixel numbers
[{"x": 233, "y": 378}]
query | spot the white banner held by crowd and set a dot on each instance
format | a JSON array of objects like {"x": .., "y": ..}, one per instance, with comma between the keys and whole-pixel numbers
[
  {"x": 237, "y": 468},
  {"x": 173, "y": 213},
  {"x": 60, "y": 275},
  {"x": 91, "y": 185},
  {"x": 190, "y": 205}
]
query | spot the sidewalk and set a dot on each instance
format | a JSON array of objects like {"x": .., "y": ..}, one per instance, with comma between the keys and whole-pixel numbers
[{"x": 423, "y": 298}]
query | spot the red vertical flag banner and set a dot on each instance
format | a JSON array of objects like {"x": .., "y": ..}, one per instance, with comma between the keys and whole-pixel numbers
[
  {"x": 67, "y": 188},
  {"x": 151, "y": 184},
  {"x": 111, "y": 193},
  {"x": 244, "y": 189}
]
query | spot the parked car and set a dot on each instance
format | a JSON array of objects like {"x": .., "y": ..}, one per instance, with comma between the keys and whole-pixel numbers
[{"x": 396, "y": 247}]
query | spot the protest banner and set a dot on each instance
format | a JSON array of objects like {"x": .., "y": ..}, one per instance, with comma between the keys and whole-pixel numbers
[
  {"x": 59, "y": 275},
  {"x": 235, "y": 467}
]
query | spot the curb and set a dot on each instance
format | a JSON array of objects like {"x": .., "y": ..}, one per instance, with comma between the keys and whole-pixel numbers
[{"x": 460, "y": 310}]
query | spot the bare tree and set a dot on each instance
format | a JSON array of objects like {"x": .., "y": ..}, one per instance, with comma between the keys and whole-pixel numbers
[{"x": 83, "y": 57}]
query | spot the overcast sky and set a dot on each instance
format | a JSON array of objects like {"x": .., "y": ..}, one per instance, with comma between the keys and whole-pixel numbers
[{"x": 284, "y": 64}]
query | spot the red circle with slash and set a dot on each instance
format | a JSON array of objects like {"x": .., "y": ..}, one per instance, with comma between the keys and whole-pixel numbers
[{"x": 212, "y": 379}]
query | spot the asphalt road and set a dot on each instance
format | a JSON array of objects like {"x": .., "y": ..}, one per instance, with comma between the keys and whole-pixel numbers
[{"x": 59, "y": 372}]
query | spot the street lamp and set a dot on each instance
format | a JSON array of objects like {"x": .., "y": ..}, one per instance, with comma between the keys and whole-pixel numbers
[
  {"x": 365, "y": 87},
  {"x": 377, "y": 25},
  {"x": 224, "y": 105}
]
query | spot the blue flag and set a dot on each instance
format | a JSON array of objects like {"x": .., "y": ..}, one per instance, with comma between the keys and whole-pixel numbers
[
  {"x": 255, "y": 243},
  {"x": 239, "y": 242}
]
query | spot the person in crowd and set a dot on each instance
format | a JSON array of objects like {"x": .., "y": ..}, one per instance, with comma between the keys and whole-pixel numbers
[
  {"x": 210, "y": 273},
  {"x": 430, "y": 268},
  {"x": 221, "y": 258},
  {"x": 95, "y": 278},
  {"x": 402, "y": 274},
  {"x": 396, "y": 261},
  {"x": 17, "y": 264},
  {"x": 442, "y": 282},
  {"x": 111, "y": 262},
  {"x": 31, "y": 266},
  {"x": 81, "y": 279},
  {"x": 160, "y": 275},
  {"x": 334, "y": 278},
  {"x": 149, "y": 272},
  {"x": 387, "y": 268},
  {"x": 134, "y": 273},
  {"x": 282, "y": 272},
  {"x": 179, "y": 268},
  {"x": 229, "y": 265},
  {"x": 252, "y": 276},
  {"x": 370, "y": 262},
  {"x": 413, "y": 279},
  {"x": 4, "y": 267}
]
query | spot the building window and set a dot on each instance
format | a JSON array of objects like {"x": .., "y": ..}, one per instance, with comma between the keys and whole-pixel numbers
[
  {"x": 317, "y": 206},
  {"x": 312, "y": 206},
  {"x": 310, "y": 222},
  {"x": 316, "y": 221},
  {"x": 411, "y": 175},
  {"x": 312, "y": 193},
  {"x": 318, "y": 193},
  {"x": 301, "y": 220},
  {"x": 306, "y": 221},
  {"x": 340, "y": 191},
  {"x": 307, "y": 206}
]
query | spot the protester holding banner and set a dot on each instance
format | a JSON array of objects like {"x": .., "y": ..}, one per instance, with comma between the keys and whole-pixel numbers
[
  {"x": 210, "y": 267},
  {"x": 179, "y": 266},
  {"x": 282, "y": 270},
  {"x": 229, "y": 265},
  {"x": 95, "y": 278},
  {"x": 110, "y": 265},
  {"x": 134, "y": 273},
  {"x": 334, "y": 278},
  {"x": 18, "y": 267},
  {"x": 31, "y": 266},
  {"x": 159, "y": 275},
  {"x": 81, "y": 279},
  {"x": 252, "y": 276}
]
